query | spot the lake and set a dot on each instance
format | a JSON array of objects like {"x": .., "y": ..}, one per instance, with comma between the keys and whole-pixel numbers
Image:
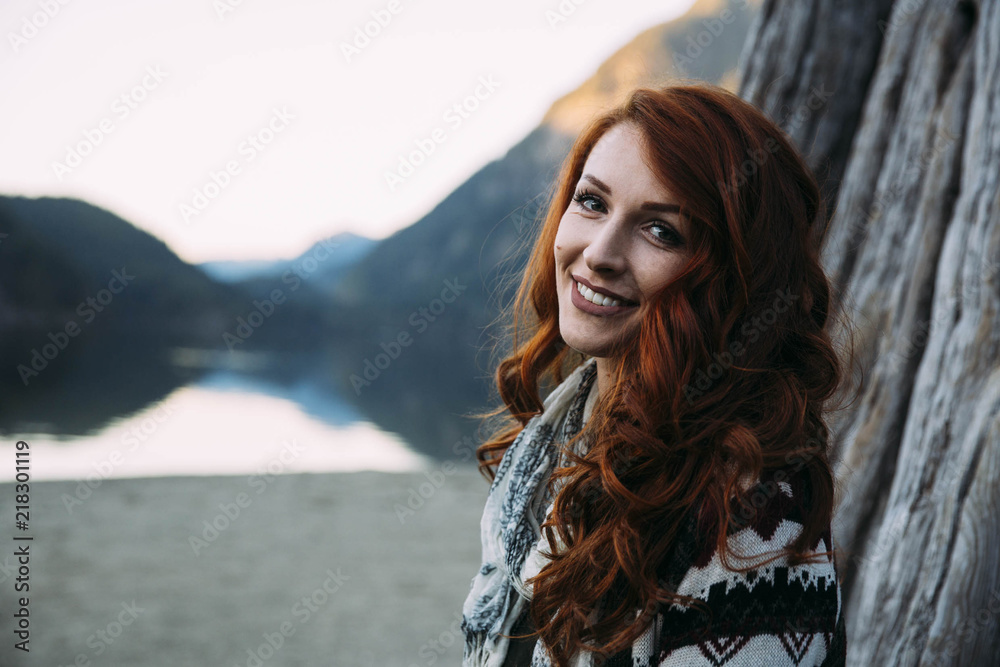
[{"x": 206, "y": 412}]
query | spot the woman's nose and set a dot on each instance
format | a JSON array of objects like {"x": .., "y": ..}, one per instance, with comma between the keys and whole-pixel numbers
[{"x": 606, "y": 249}]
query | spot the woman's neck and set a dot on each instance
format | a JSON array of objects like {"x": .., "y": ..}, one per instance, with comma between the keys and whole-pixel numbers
[{"x": 604, "y": 374}]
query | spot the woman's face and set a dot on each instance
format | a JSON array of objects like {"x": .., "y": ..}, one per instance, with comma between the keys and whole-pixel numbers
[{"x": 621, "y": 236}]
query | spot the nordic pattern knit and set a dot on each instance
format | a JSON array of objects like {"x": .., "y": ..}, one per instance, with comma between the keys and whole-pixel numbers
[{"x": 773, "y": 615}]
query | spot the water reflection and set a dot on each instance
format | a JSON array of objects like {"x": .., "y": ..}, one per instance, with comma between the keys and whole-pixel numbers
[
  {"x": 217, "y": 429},
  {"x": 130, "y": 409}
]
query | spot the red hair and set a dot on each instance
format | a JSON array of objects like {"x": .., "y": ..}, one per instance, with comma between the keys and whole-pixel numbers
[{"x": 680, "y": 427}]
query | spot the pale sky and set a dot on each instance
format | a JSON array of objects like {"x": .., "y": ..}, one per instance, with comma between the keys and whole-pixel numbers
[{"x": 157, "y": 97}]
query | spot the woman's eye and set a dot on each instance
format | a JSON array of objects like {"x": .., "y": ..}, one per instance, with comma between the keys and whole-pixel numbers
[
  {"x": 583, "y": 197},
  {"x": 670, "y": 237}
]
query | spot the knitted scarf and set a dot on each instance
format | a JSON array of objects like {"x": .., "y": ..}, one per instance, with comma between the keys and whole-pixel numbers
[{"x": 517, "y": 504}]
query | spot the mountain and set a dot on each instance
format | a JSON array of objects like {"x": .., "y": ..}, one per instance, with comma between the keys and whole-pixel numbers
[
  {"x": 90, "y": 246},
  {"x": 238, "y": 270},
  {"x": 493, "y": 212},
  {"x": 450, "y": 272},
  {"x": 321, "y": 266},
  {"x": 65, "y": 260},
  {"x": 705, "y": 44},
  {"x": 102, "y": 319},
  {"x": 405, "y": 318}
]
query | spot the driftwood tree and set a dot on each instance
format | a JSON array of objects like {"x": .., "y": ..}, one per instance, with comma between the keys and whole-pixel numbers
[{"x": 897, "y": 105}]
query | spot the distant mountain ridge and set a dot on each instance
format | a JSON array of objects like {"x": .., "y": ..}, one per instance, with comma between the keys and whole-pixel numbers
[
  {"x": 705, "y": 43},
  {"x": 328, "y": 258},
  {"x": 470, "y": 231},
  {"x": 441, "y": 281},
  {"x": 59, "y": 252},
  {"x": 480, "y": 233},
  {"x": 82, "y": 244}
]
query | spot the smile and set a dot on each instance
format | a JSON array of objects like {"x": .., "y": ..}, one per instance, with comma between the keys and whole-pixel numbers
[{"x": 594, "y": 303}]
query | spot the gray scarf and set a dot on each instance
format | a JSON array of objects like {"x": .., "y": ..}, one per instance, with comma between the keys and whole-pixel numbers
[{"x": 517, "y": 505}]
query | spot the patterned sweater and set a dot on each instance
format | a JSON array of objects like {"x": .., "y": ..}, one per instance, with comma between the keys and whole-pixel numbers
[{"x": 773, "y": 615}]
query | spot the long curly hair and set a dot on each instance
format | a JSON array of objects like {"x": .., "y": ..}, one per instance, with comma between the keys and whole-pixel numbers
[{"x": 727, "y": 378}]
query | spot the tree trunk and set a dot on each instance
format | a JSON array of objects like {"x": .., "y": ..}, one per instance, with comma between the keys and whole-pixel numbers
[{"x": 897, "y": 108}]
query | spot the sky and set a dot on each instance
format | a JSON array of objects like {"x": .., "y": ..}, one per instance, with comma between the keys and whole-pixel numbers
[{"x": 245, "y": 129}]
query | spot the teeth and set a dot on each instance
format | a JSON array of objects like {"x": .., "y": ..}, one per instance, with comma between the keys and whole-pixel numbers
[{"x": 594, "y": 297}]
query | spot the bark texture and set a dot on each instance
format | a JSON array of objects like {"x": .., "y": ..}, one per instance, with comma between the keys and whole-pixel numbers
[{"x": 897, "y": 107}]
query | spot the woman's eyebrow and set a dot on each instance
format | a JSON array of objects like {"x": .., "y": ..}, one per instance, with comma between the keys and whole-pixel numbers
[{"x": 649, "y": 206}]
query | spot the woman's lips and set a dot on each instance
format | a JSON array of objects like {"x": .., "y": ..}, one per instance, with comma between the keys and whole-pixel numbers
[{"x": 593, "y": 308}]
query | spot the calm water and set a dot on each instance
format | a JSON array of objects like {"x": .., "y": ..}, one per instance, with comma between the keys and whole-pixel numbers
[{"x": 196, "y": 412}]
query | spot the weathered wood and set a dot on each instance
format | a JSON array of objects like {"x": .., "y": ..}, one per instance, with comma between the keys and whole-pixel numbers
[{"x": 913, "y": 248}]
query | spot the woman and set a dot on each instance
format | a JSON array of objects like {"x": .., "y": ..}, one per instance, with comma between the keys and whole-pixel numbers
[{"x": 675, "y": 297}]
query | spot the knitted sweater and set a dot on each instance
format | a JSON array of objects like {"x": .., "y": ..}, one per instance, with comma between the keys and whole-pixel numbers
[{"x": 773, "y": 615}]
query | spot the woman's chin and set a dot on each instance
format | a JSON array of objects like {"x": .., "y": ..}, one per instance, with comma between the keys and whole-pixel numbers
[{"x": 587, "y": 345}]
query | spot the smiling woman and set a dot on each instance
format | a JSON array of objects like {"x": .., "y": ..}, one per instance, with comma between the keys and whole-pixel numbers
[
  {"x": 615, "y": 248},
  {"x": 629, "y": 522}
]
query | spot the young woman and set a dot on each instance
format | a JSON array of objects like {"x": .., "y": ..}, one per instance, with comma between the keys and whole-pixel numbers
[{"x": 669, "y": 502}]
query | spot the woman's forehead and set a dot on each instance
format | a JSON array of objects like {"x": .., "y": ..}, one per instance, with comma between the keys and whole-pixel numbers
[{"x": 617, "y": 164}]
